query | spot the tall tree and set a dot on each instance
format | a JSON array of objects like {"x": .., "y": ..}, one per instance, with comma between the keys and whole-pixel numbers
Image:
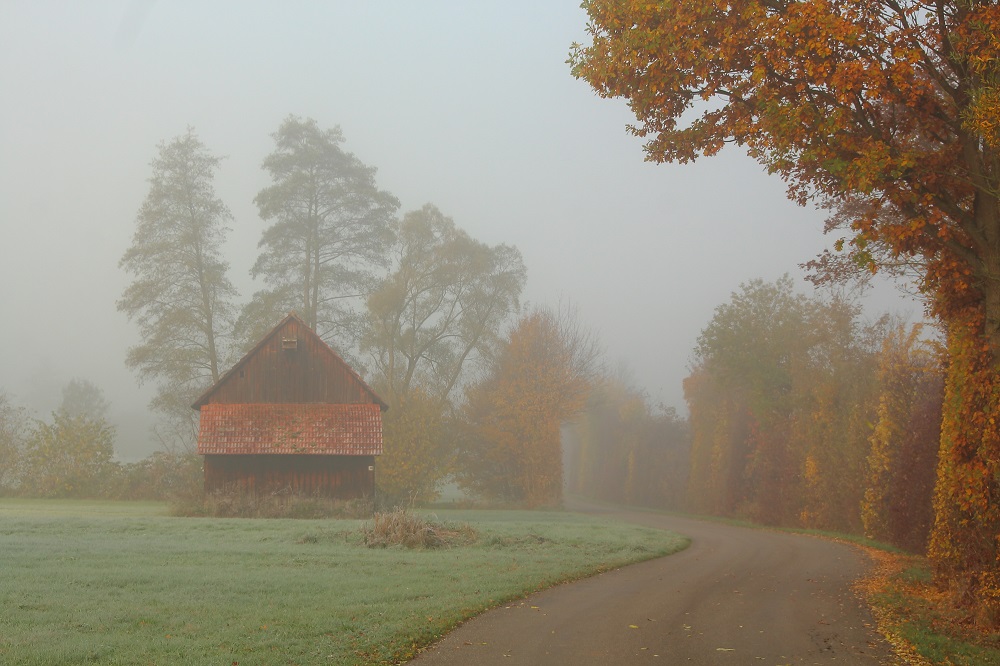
[
  {"x": 749, "y": 352},
  {"x": 330, "y": 227},
  {"x": 781, "y": 398},
  {"x": 890, "y": 101},
  {"x": 180, "y": 296},
  {"x": 81, "y": 396},
  {"x": 834, "y": 396},
  {"x": 437, "y": 315},
  {"x": 442, "y": 308},
  {"x": 897, "y": 504},
  {"x": 512, "y": 447}
]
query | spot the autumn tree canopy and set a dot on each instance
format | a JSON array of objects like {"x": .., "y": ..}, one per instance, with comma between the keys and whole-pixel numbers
[
  {"x": 511, "y": 450},
  {"x": 887, "y": 99},
  {"x": 892, "y": 103}
]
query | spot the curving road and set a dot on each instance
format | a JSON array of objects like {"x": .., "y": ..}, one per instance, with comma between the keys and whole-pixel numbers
[{"x": 735, "y": 596}]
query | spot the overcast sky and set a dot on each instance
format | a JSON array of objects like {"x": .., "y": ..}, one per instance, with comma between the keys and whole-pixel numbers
[{"x": 466, "y": 105}]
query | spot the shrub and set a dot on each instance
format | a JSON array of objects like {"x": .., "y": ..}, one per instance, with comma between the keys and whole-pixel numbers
[
  {"x": 234, "y": 501},
  {"x": 176, "y": 477}
]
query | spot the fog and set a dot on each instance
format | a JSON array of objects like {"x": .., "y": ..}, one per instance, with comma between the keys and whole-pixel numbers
[{"x": 469, "y": 106}]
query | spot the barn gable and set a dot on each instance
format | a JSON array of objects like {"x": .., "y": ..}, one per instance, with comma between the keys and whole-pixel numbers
[
  {"x": 291, "y": 414},
  {"x": 290, "y": 365}
]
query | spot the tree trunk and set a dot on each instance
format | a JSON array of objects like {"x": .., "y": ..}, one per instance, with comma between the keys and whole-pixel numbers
[
  {"x": 964, "y": 541},
  {"x": 990, "y": 288}
]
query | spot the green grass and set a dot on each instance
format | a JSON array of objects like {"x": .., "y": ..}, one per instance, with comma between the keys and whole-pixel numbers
[
  {"x": 911, "y": 610},
  {"x": 123, "y": 583}
]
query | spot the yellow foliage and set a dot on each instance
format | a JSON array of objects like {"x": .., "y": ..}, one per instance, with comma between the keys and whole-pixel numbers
[
  {"x": 513, "y": 448},
  {"x": 417, "y": 451}
]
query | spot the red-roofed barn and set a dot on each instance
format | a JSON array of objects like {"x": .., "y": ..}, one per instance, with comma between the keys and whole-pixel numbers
[{"x": 291, "y": 414}]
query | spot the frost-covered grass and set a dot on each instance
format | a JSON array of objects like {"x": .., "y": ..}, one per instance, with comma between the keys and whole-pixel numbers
[{"x": 123, "y": 583}]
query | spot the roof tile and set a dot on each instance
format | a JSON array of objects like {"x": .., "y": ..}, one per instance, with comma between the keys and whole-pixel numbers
[{"x": 346, "y": 430}]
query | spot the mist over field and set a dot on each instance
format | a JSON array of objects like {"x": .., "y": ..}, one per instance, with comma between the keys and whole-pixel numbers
[
  {"x": 359, "y": 262},
  {"x": 469, "y": 107}
]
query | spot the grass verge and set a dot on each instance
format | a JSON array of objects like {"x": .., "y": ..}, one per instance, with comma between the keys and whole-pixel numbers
[
  {"x": 918, "y": 620},
  {"x": 120, "y": 583}
]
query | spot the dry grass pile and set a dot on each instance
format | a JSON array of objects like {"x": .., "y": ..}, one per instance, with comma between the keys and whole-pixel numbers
[{"x": 401, "y": 527}]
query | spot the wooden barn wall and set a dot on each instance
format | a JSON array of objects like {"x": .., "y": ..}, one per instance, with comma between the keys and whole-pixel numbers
[
  {"x": 343, "y": 477},
  {"x": 308, "y": 373}
]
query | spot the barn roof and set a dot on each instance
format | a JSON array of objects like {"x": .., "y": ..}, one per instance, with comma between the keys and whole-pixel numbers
[
  {"x": 321, "y": 345},
  {"x": 347, "y": 430}
]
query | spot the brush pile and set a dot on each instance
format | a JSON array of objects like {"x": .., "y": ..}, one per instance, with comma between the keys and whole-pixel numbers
[{"x": 401, "y": 527}]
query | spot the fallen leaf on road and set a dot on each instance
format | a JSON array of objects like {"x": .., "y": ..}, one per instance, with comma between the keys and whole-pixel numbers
[
  {"x": 633, "y": 626},
  {"x": 725, "y": 649}
]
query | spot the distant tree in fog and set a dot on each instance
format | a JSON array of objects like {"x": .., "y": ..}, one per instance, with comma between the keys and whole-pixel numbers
[
  {"x": 625, "y": 449},
  {"x": 13, "y": 430},
  {"x": 83, "y": 397},
  {"x": 330, "y": 227},
  {"x": 180, "y": 296},
  {"x": 438, "y": 313},
  {"x": 70, "y": 457},
  {"x": 442, "y": 308},
  {"x": 511, "y": 448},
  {"x": 782, "y": 394}
]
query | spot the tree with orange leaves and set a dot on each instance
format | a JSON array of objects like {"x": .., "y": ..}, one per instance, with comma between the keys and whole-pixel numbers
[
  {"x": 901, "y": 463},
  {"x": 893, "y": 103},
  {"x": 512, "y": 450}
]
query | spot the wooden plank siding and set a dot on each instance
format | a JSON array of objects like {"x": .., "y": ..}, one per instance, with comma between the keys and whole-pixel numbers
[
  {"x": 343, "y": 477},
  {"x": 291, "y": 415},
  {"x": 311, "y": 372}
]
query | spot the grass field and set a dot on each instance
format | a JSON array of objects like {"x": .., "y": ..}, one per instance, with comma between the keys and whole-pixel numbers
[{"x": 123, "y": 583}]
